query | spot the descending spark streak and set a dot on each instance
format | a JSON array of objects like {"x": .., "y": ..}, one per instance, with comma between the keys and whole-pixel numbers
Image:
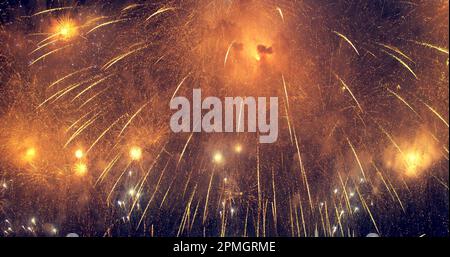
[
  {"x": 132, "y": 6},
  {"x": 184, "y": 148},
  {"x": 441, "y": 182},
  {"x": 274, "y": 203},
  {"x": 392, "y": 141},
  {"x": 302, "y": 168},
  {"x": 69, "y": 75},
  {"x": 80, "y": 119},
  {"x": 395, "y": 49},
  {"x": 366, "y": 207},
  {"x": 186, "y": 212},
  {"x": 347, "y": 40},
  {"x": 350, "y": 91},
  {"x": 62, "y": 92},
  {"x": 105, "y": 24},
  {"x": 347, "y": 200},
  {"x": 43, "y": 45},
  {"x": 303, "y": 219},
  {"x": 179, "y": 86},
  {"x": 228, "y": 52},
  {"x": 281, "y": 13},
  {"x": 42, "y": 42},
  {"x": 396, "y": 194},
  {"x": 259, "y": 189},
  {"x": 103, "y": 134},
  {"x": 120, "y": 57},
  {"x": 357, "y": 159},
  {"x": 160, "y": 11},
  {"x": 440, "y": 49},
  {"x": 49, "y": 53},
  {"x": 153, "y": 195},
  {"x": 403, "y": 63},
  {"x": 52, "y": 10},
  {"x": 144, "y": 179},
  {"x": 93, "y": 97},
  {"x": 91, "y": 86},
  {"x": 132, "y": 118},
  {"x": 404, "y": 101},
  {"x": 436, "y": 113},
  {"x": 286, "y": 107},
  {"x": 116, "y": 183},
  {"x": 108, "y": 168},
  {"x": 205, "y": 209},
  {"x": 82, "y": 128}
]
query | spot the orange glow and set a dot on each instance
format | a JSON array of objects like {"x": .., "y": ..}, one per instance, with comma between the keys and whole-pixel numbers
[
  {"x": 218, "y": 157},
  {"x": 30, "y": 154},
  {"x": 66, "y": 29},
  {"x": 135, "y": 153},
  {"x": 413, "y": 157}
]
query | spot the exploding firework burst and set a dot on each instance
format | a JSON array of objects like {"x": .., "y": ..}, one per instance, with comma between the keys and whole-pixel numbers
[{"x": 87, "y": 148}]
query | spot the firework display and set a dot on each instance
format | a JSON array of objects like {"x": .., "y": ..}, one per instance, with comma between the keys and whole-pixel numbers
[{"x": 362, "y": 140}]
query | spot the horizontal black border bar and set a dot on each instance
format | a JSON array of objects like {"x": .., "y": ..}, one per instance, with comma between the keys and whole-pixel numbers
[{"x": 224, "y": 246}]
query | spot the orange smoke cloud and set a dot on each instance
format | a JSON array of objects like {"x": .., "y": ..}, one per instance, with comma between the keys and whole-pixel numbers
[{"x": 412, "y": 157}]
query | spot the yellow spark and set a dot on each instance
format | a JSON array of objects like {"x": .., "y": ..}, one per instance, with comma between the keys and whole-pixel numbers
[
  {"x": 131, "y": 119},
  {"x": 49, "y": 53},
  {"x": 404, "y": 101},
  {"x": 238, "y": 148},
  {"x": 179, "y": 85},
  {"x": 92, "y": 85},
  {"x": 281, "y": 13},
  {"x": 437, "y": 114},
  {"x": 357, "y": 158},
  {"x": 403, "y": 63},
  {"x": 347, "y": 40},
  {"x": 132, "y": 6},
  {"x": 69, "y": 75},
  {"x": 395, "y": 49},
  {"x": 82, "y": 128},
  {"x": 227, "y": 54},
  {"x": 42, "y": 46},
  {"x": 105, "y": 24},
  {"x": 120, "y": 57},
  {"x": 52, "y": 10},
  {"x": 350, "y": 91},
  {"x": 160, "y": 11},
  {"x": 440, "y": 49},
  {"x": 103, "y": 134}
]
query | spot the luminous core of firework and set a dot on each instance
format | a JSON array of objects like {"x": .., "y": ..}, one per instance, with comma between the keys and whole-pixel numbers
[
  {"x": 66, "y": 30},
  {"x": 238, "y": 148},
  {"x": 413, "y": 161},
  {"x": 135, "y": 153},
  {"x": 218, "y": 157},
  {"x": 30, "y": 154},
  {"x": 81, "y": 169},
  {"x": 79, "y": 154}
]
